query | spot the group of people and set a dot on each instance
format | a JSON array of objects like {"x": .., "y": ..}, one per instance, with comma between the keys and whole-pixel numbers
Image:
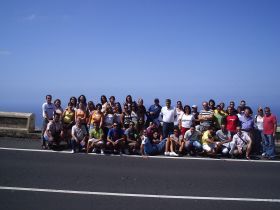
[{"x": 130, "y": 128}]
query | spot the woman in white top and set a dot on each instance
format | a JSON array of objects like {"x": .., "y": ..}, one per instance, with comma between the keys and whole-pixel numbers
[
  {"x": 186, "y": 120},
  {"x": 259, "y": 136},
  {"x": 179, "y": 111},
  {"x": 109, "y": 119}
]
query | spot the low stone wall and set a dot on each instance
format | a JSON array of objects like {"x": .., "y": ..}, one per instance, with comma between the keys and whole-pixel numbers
[{"x": 17, "y": 124}]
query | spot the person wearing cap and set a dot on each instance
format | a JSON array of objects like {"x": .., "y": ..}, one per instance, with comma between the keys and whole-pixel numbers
[
  {"x": 116, "y": 139},
  {"x": 153, "y": 113},
  {"x": 195, "y": 114},
  {"x": 168, "y": 115}
]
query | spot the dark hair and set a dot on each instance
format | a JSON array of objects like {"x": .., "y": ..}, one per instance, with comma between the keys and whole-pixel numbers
[
  {"x": 79, "y": 99},
  {"x": 112, "y": 97},
  {"x": 75, "y": 100},
  {"x": 48, "y": 96},
  {"x": 57, "y": 100},
  {"x": 101, "y": 99},
  {"x": 212, "y": 100},
  {"x": 187, "y": 106}
]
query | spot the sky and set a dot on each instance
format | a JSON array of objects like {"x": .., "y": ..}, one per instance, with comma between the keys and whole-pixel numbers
[{"x": 189, "y": 50}]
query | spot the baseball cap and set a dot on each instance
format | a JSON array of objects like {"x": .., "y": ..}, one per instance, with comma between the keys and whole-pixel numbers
[{"x": 194, "y": 106}]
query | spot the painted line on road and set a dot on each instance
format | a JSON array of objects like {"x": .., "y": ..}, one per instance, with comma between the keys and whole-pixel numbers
[
  {"x": 146, "y": 157},
  {"x": 140, "y": 195}
]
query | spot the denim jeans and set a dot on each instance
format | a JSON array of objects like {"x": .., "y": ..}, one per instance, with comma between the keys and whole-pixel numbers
[
  {"x": 154, "y": 149},
  {"x": 269, "y": 145},
  {"x": 193, "y": 144}
]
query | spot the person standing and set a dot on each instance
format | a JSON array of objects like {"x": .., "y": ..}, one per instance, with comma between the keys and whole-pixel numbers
[
  {"x": 48, "y": 110},
  {"x": 269, "y": 131},
  {"x": 153, "y": 113},
  {"x": 169, "y": 115}
]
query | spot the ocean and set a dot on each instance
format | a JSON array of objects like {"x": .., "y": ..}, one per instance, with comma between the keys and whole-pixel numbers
[{"x": 37, "y": 110}]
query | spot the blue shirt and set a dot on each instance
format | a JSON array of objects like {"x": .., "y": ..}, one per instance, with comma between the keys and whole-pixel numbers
[
  {"x": 247, "y": 123},
  {"x": 156, "y": 110},
  {"x": 115, "y": 134}
]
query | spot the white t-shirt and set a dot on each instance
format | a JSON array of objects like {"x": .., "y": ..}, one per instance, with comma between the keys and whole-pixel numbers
[
  {"x": 259, "y": 122},
  {"x": 187, "y": 120},
  {"x": 168, "y": 115},
  {"x": 49, "y": 108}
]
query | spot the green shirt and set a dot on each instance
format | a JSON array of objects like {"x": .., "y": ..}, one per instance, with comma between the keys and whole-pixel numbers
[{"x": 97, "y": 134}]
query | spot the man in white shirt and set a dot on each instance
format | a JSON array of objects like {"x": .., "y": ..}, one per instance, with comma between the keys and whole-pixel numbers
[
  {"x": 241, "y": 142},
  {"x": 48, "y": 109},
  {"x": 168, "y": 115}
]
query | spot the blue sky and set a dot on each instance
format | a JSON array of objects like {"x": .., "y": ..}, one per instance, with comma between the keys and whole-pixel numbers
[{"x": 178, "y": 49}]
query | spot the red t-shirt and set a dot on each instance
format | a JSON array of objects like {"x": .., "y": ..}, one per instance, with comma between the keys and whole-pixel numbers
[
  {"x": 232, "y": 121},
  {"x": 268, "y": 124}
]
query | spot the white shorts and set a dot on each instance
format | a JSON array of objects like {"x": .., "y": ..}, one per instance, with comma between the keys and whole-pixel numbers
[{"x": 208, "y": 147}]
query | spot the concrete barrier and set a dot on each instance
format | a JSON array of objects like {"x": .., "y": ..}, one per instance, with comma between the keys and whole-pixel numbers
[{"x": 16, "y": 124}]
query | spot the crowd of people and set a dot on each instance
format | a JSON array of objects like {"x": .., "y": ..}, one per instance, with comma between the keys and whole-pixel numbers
[{"x": 130, "y": 128}]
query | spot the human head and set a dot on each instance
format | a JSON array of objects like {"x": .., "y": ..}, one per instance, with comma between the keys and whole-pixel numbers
[
  {"x": 223, "y": 127},
  {"x": 211, "y": 103},
  {"x": 238, "y": 129},
  {"x": 192, "y": 128},
  {"x": 267, "y": 111},
  {"x": 140, "y": 101},
  {"x": 222, "y": 105},
  {"x": 56, "y": 117},
  {"x": 168, "y": 103},
  {"x": 98, "y": 107},
  {"x": 73, "y": 100},
  {"x": 82, "y": 99},
  {"x": 156, "y": 101},
  {"x": 260, "y": 111},
  {"x": 187, "y": 109},
  {"x": 57, "y": 102},
  {"x": 194, "y": 108},
  {"x": 179, "y": 105},
  {"x": 49, "y": 98},
  {"x": 128, "y": 99},
  {"x": 205, "y": 105},
  {"x": 91, "y": 105},
  {"x": 112, "y": 99},
  {"x": 247, "y": 112},
  {"x": 232, "y": 104},
  {"x": 78, "y": 122},
  {"x": 230, "y": 110},
  {"x": 103, "y": 99},
  {"x": 242, "y": 103}
]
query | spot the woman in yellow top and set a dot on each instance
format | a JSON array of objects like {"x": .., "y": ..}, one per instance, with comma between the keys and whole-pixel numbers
[
  {"x": 68, "y": 120},
  {"x": 96, "y": 116}
]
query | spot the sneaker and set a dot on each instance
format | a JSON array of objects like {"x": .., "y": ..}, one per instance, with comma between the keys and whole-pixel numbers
[
  {"x": 166, "y": 153},
  {"x": 264, "y": 154},
  {"x": 72, "y": 151},
  {"x": 173, "y": 154},
  {"x": 102, "y": 152},
  {"x": 94, "y": 150}
]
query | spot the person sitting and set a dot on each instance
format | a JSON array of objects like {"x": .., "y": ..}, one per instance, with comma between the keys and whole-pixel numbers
[
  {"x": 79, "y": 136},
  {"x": 153, "y": 146},
  {"x": 173, "y": 143},
  {"x": 96, "y": 140},
  {"x": 224, "y": 139},
  {"x": 191, "y": 142},
  {"x": 116, "y": 139},
  {"x": 132, "y": 138},
  {"x": 208, "y": 142},
  {"x": 54, "y": 132},
  {"x": 241, "y": 143}
]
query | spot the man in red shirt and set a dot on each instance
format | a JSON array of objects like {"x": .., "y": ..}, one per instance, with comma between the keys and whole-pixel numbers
[
  {"x": 232, "y": 121},
  {"x": 269, "y": 131}
]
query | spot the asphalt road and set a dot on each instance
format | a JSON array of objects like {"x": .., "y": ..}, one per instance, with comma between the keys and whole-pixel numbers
[{"x": 132, "y": 175}]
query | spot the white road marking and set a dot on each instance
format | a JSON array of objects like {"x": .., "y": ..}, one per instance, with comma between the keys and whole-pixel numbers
[
  {"x": 140, "y": 195},
  {"x": 138, "y": 156}
]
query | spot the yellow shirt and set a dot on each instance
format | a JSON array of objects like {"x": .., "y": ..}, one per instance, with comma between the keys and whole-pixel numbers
[
  {"x": 206, "y": 136},
  {"x": 69, "y": 117}
]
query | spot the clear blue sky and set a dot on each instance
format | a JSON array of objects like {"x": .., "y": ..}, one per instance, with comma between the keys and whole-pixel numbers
[{"x": 181, "y": 49}]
